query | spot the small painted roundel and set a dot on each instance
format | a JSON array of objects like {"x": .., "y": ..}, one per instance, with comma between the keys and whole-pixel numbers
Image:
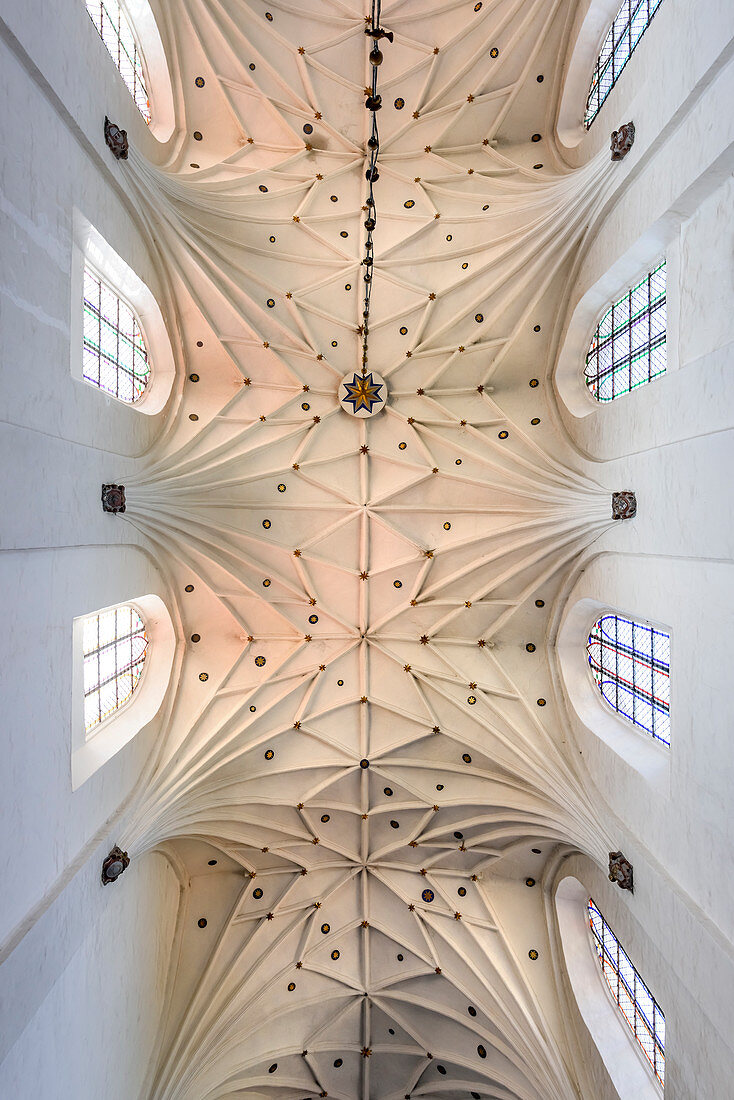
[
  {"x": 428, "y": 895},
  {"x": 326, "y": 928},
  {"x": 257, "y": 894},
  {"x": 335, "y": 955}
]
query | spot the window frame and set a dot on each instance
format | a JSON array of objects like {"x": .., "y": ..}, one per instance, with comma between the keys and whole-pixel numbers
[
  {"x": 629, "y": 1029},
  {"x": 588, "y": 119},
  {"x": 90, "y": 753},
  {"x": 90, "y": 248},
  {"x": 145, "y": 81},
  {"x": 628, "y": 723},
  {"x": 106, "y": 282},
  {"x": 93, "y": 730},
  {"x": 617, "y": 299}
]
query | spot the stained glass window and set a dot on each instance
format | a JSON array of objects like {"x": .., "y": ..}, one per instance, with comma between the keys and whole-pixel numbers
[
  {"x": 115, "y": 647},
  {"x": 117, "y": 34},
  {"x": 636, "y": 1002},
  {"x": 628, "y": 348},
  {"x": 115, "y": 357},
  {"x": 630, "y": 663},
  {"x": 628, "y": 27}
]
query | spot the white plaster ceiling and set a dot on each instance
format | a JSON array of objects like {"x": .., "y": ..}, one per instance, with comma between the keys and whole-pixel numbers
[{"x": 365, "y": 590}]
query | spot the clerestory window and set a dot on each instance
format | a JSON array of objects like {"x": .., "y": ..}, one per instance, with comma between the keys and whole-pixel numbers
[
  {"x": 636, "y": 1003},
  {"x": 628, "y": 348},
  {"x": 628, "y": 27},
  {"x": 630, "y": 663},
  {"x": 115, "y": 357},
  {"x": 115, "y": 647},
  {"x": 117, "y": 34}
]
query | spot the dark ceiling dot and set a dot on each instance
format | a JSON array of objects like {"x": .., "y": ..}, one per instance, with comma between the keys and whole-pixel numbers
[
  {"x": 391, "y": 1030},
  {"x": 212, "y": 862},
  {"x": 334, "y": 198},
  {"x": 388, "y": 792},
  {"x": 471, "y": 1010},
  {"x": 192, "y": 165},
  {"x": 291, "y": 986},
  {"x": 486, "y": 206},
  {"x": 399, "y": 958},
  {"x": 535, "y": 137},
  {"x": 494, "y": 52},
  {"x": 196, "y": 637},
  {"x": 530, "y": 647},
  {"x": 537, "y": 166},
  {"x": 198, "y": 135},
  {"x": 476, "y": 1096},
  {"x": 269, "y": 16},
  {"x": 200, "y": 343},
  {"x": 273, "y": 1067},
  {"x": 325, "y": 818},
  {"x": 399, "y": 103},
  {"x": 253, "y": 66},
  {"x": 481, "y": 1051},
  {"x": 272, "y": 240},
  {"x": 503, "y": 434},
  {"x": 535, "y": 421},
  {"x": 533, "y": 383},
  {"x": 364, "y": 763},
  {"x": 189, "y": 588},
  {"x": 461, "y": 891},
  {"x": 540, "y": 603},
  {"x": 536, "y": 851},
  {"x": 270, "y": 303},
  {"x": 439, "y": 786},
  {"x": 441, "y": 1069},
  {"x": 257, "y": 894},
  {"x": 325, "y": 928},
  {"x": 343, "y": 233},
  {"x": 193, "y": 416},
  {"x": 532, "y": 954},
  {"x": 466, "y": 758},
  {"x": 536, "y": 328},
  {"x": 193, "y": 378},
  {"x": 338, "y": 1063},
  {"x": 394, "y": 824},
  {"x": 200, "y": 82},
  {"x": 530, "y": 882},
  {"x": 540, "y": 78},
  {"x": 203, "y": 676},
  {"x": 459, "y": 836},
  {"x": 308, "y": 128},
  {"x": 202, "y": 922}
]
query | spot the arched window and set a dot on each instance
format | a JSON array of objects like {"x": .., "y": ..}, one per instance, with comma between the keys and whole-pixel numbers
[
  {"x": 636, "y": 1003},
  {"x": 115, "y": 356},
  {"x": 628, "y": 27},
  {"x": 117, "y": 34},
  {"x": 630, "y": 663},
  {"x": 115, "y": 646},
  {"x": 628, "y": 347}
]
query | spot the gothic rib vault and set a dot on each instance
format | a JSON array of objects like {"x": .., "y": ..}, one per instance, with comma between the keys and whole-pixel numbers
[{"x": 360, "y": 734}]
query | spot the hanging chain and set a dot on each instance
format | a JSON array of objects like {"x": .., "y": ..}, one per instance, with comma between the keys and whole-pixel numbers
[{"x": 373, "y": 103}]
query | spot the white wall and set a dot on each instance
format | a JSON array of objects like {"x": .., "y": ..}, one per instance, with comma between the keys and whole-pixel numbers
[
  {"x": 671, "y": 442},
  {"x": 76, "y": 944}
]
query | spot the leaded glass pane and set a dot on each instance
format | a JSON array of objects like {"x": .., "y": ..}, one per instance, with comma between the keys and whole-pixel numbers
[
  {"x": 637, "y": 1004},
  {"x": 630, "y": 663},
  {"x": 628, "y": 27},
  {"x": 115, "y": 645},
  {"x": 628, "y": 348},
  {"x": 115, "y": 357},
  {"x": 116, "y": 33}
]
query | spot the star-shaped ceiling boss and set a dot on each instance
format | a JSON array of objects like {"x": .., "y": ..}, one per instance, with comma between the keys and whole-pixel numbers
[{"x": 363, "y": 393}]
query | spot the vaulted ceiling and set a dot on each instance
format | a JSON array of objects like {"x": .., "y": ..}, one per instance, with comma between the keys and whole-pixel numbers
[{"x": 364, "y": 734}]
